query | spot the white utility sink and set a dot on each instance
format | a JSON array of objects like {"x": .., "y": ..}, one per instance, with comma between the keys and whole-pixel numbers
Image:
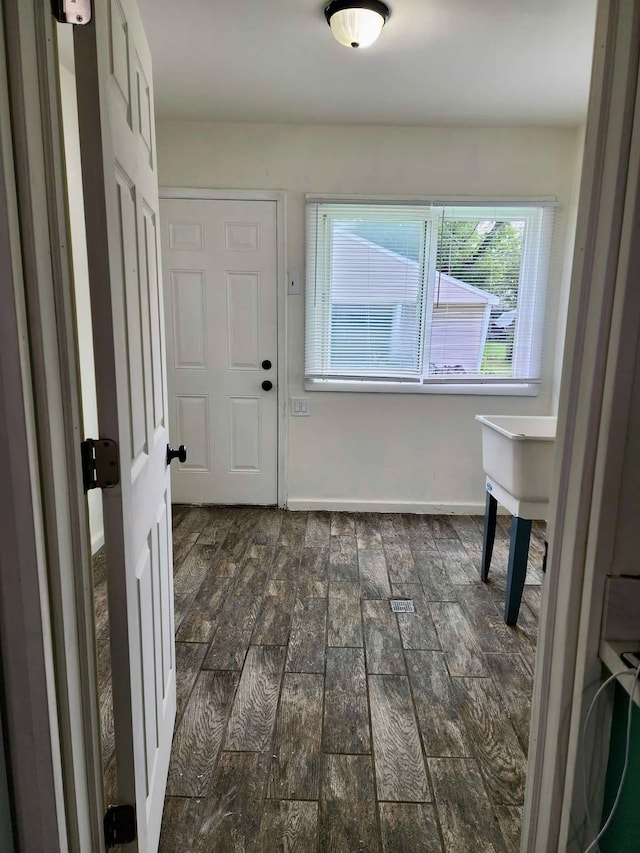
[{"x": 517, "y": 457}]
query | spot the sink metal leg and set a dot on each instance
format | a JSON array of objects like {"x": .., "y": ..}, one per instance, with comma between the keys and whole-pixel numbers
[
  {"x": 490, "y": 513},
  {"x": 517, "y": 572}
]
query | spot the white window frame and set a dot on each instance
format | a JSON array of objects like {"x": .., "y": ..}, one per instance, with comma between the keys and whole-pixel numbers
[
  {"x": 532, "y": 254},
  {"x": 323, "y": 262}
]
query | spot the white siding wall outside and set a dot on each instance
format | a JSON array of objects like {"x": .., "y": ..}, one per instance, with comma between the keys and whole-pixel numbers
[{"x": 453, "y": 325}]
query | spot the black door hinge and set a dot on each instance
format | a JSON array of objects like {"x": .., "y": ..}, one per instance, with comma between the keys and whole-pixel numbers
[
  {"x": 76, "y": 12},
  {"x": 100, "y": 468},
  {"x": 119, "y": 825}
]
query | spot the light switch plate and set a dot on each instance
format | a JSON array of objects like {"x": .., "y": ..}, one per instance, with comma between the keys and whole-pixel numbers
[
  {"x": 294, "y": 285},
  {"x": 300, "y": 407}
]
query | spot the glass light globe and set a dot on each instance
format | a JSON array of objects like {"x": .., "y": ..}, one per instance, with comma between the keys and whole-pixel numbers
[{"x": 356, "y": 27}]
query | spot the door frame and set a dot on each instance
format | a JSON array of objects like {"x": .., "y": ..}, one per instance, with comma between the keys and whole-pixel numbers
[
  {"x": 280, "y": 199},
  {"x": 603, "y": 333},
  {"x": 50, "y": 516},
  {"x": 51, "y": 715}
]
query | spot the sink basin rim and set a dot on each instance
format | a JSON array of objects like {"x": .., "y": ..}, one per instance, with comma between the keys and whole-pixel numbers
[{"x": 501, "y": 424}]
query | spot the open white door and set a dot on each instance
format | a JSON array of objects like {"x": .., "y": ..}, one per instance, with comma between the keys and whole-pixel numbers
[{"x": 117, "y": 140}]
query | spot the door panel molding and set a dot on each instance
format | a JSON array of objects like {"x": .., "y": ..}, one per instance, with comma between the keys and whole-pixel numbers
[{"x": 279, "y": 197}]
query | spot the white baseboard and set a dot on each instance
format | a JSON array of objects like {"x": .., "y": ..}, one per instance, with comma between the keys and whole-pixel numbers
[
  {"x": 97, "y": 542},
  {"x": 425, "y": 508}
]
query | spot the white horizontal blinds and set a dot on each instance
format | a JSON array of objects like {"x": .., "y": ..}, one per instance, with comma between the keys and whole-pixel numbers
[
  {"x": 314, "y": 355},
  {"x": 366, "y": 267},
  {"x": 438, "y": 294},
  {"x": 487, "y": 298}
]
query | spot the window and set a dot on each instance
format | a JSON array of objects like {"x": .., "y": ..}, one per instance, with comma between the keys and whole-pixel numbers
[{"x": 425, "y": 294}]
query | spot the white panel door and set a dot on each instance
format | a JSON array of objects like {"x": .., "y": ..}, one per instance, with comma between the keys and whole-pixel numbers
[
  {"x": 220, "y": 273},
  {"x": 115, "y": 106}
]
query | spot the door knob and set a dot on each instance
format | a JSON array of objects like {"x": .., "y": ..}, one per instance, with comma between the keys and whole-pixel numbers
[
  {"x": 180, "y": 454},
  {"x": 266, "y": 385},
  {"x": 266, "y": 364}
]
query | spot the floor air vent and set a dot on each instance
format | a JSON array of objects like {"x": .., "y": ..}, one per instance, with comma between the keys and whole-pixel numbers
[{"x": 402, "y": 605}]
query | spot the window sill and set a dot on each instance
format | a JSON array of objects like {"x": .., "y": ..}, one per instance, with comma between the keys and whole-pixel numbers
[{"x": 364, "y": 387}]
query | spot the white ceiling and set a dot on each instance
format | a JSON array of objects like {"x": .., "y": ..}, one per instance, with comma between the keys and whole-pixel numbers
[{"x": 438, "y": 62}]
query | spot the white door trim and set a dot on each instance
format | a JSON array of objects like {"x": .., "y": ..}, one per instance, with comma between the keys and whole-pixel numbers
[
  {"x": 603, "y": 327},
  {"x": 47, "y": 602},
  {"x": 26, "y": 645},
  {"x": 279, "y": 197}
]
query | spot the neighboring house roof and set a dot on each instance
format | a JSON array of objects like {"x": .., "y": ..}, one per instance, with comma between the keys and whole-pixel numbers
[
  {"x": 450, "y": 290},
  {"x": 365, "y": 272}
]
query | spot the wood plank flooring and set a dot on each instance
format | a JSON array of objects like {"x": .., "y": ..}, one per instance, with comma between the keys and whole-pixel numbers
[{"x": 312, "y": 718}]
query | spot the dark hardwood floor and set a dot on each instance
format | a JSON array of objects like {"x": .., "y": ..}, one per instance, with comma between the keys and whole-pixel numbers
[{"x": 312, "y": 718}]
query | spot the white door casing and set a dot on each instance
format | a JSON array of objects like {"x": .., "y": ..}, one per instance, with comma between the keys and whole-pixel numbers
[
  {"x": 116, "y": 119},
  {"x": 603, "y": 330},
  {"x": 220, "y": 268}
]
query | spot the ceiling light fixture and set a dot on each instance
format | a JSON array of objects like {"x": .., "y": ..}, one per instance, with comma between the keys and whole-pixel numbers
[{"x": 356, "y": 23}]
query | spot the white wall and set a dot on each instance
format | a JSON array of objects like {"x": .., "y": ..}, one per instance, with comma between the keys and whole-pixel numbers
[
  {"x": 418, "y": 452},
  {"x": 567, "y": 261},
  {"x": 81, "y": 283}
]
